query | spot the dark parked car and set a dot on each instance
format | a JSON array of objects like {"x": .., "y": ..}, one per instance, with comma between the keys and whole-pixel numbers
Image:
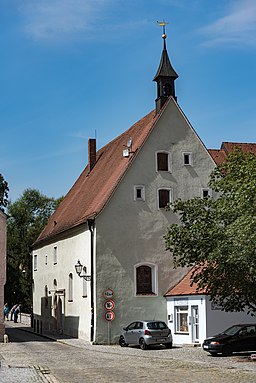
[
  {"x": 146, "y": 333},
  {"x": 240, "y": 337}
]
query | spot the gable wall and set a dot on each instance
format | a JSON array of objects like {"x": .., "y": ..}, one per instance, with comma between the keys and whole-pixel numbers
[{"x": 130, "y": 232}]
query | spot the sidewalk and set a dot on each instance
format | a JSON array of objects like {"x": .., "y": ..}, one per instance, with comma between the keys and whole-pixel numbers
[{"x": 75, "y": 342}]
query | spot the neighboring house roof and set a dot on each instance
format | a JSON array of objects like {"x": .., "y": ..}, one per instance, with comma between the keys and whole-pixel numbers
[
  {"x": 92, "y": 190},
  {"x": 183, "y": 287},
  {"x": 219, "y": 155}
]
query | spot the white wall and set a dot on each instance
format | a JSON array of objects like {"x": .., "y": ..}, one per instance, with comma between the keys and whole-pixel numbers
[
  {"x": 76, "y": 314},
  {"x": 211, "y": 321},
  {"x": 193, "y": 300}
]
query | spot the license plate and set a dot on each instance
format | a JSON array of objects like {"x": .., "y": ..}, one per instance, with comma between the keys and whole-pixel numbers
[{"x": 205, "y": 346}]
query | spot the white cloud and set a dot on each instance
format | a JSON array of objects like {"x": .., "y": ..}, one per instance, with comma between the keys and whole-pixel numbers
[
  {"x": 56, "y": 20},
  {"x": 237, "y": 27}
]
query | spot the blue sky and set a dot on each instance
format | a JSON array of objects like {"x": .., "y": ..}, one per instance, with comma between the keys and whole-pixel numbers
[{"x": 71, "y": 69}]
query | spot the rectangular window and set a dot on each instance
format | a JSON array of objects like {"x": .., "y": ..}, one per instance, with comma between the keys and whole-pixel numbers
[
  {"x": 162, "y": 162},
  {"x": 70, "y": 287},
  {"x": 181, "y": 323},
  {"x": 163, "y": 198},
  {"x": 187, "y": 158},
  {"x": 55, "y": 255},
  {"x": 139, "y": 192},
  {"x": 85, "y": 293},
  {"x": 35, "y": 262},
  {"x": 206, "y": 193}
]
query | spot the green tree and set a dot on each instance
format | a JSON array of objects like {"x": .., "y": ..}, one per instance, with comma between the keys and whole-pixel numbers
[
  {"x": 218, "y": 237},
  {"x": 3, "y": 193},
  {"x": 27, "y": 217}
]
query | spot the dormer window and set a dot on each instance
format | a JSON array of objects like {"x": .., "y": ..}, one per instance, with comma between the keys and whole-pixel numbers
[
  {"x": 187, "y": 158},
  {"x": 163, "y": 162}
]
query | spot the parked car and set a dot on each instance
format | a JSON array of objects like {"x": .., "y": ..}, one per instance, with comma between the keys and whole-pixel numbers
[
  {"x": 240, "y": 337},
  {"x": 146, "y": 333}
]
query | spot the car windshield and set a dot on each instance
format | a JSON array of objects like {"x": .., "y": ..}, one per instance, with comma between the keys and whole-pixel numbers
[
  {"x": 156, "y": 325},
  {"x": 232, "y": 330}
]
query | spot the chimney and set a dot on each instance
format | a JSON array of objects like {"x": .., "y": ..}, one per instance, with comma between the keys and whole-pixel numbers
[{"x": 91, "y": 153}]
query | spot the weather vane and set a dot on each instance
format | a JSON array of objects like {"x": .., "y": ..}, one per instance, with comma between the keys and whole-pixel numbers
[{"x": 163, "y": 24}]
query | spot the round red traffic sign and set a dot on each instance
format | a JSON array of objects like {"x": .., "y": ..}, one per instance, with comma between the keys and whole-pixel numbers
[
  {"x": 108, "y": 293},
  {"x": 109, "y": 316},
  {"x": 109, "y": 304}
]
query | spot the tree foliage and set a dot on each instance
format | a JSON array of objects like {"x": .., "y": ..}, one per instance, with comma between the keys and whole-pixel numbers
[
  {"x": 4, "y": 189},
  {"x": 27, "y": 217},
  {"x": 218, "y": 237}
]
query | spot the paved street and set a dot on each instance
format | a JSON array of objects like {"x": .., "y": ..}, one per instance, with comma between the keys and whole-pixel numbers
[{"x": 75, "y": 361}]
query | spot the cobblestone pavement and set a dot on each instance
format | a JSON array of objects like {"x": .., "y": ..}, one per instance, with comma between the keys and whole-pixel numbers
[{"x": 77, "y": 361}]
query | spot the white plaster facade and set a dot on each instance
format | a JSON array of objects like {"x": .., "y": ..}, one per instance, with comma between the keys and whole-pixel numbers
[
  {"x": 201, "y": 318},
  {"x": 126, "y": 233}
]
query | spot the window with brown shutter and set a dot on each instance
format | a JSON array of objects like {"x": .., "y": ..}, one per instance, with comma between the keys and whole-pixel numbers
[
  {"x": 144, "y": 280},
  {"x": 163, "y": 198},
  {"x": 162, "y": 162}
]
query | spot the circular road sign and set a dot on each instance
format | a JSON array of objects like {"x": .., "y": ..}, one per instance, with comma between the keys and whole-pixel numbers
[
  {"x": 109, "y": 304},
  {"x": 108, "y": 293},
  {"x": 109, "y": 316}
]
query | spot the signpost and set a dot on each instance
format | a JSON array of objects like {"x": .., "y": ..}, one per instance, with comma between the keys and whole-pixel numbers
[{"x": 109, "y": 306}]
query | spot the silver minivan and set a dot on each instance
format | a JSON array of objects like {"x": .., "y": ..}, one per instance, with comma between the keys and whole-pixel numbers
[{"x": 146, "y": 333}]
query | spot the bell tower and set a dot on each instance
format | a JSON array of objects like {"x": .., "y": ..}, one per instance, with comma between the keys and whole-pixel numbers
[{"x": 165, "y": 75}]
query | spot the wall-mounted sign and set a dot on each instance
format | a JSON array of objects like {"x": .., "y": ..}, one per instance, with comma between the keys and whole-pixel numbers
[
  {"x": 109, "y": 304},
  {"x": 109, "y": 315},
  {"x": 108, "y": 293}
]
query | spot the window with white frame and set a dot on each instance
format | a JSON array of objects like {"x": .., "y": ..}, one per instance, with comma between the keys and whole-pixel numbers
[
  {"x": 145, "y": 279},
  {"x": 35, "y": 262},
  {"x": 70, "y": 287},
  {"x": 187, "y": 158},
  {"x": 164, "y": 197},
  {"x": 181, "y": 319},
  {"x": 163, "y": 162},
  {"x": 205, "y": 193},
  {"x": 139, "y": 192},
  {"x": 55, "y": 255}
]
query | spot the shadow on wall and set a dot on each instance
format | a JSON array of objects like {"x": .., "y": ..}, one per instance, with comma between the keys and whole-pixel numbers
[{"x": 53, "y": 319}]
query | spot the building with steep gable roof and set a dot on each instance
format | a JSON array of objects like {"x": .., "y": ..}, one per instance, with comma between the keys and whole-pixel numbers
[{"x": 112, "y": 223}]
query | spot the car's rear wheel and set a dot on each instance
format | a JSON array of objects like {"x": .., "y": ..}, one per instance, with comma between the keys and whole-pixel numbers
[
  {"x": 143, "y": 344},
  {"x": 227, "y": 350},
  {"x": 122, "y": 342},
  {"x": 168, "y": 345}
]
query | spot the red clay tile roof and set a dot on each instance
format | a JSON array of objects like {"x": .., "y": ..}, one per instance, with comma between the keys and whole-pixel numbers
[
  {"x": 245, "y": 147},
  {"x": 219, "y": 155},
  {"x": 183, "y": 287},
  {"x": 91, "y": 191}
]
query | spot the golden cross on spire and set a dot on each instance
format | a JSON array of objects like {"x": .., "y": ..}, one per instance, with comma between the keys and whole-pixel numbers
[{"x": 163, "y": 24}]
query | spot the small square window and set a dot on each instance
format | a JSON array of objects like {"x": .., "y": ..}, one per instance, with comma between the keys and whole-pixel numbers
[
  {"x": 205, "y": 193},
  {"x": 187, "y": 158},
  {"x": 139, "y": 192}
]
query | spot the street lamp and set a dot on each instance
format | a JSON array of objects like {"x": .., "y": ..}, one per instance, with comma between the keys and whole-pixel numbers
[{"x": 81, "y": 271}]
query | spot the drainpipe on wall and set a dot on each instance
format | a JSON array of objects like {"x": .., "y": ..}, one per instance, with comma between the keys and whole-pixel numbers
[{"x": 91, "y": 228}]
